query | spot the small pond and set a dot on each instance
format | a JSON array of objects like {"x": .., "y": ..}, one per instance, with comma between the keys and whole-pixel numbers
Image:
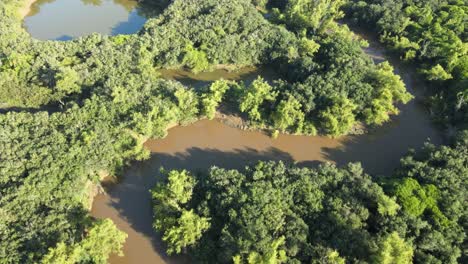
[{"x": 69, "y": 19}]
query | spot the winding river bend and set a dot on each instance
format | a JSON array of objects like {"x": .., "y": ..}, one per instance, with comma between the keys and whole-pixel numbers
[{"x": 207, "y": 143}]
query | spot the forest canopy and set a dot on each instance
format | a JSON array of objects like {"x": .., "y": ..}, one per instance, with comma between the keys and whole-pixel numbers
[
  {"x": 431, "y": 34},
  {"x": 277, "y": 213},
  {"x": 321, "y": 69},
  {"x": 59, "y": 100}
]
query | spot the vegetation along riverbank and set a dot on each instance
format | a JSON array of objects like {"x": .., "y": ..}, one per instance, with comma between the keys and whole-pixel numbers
[{"x": 71, "y": 110}]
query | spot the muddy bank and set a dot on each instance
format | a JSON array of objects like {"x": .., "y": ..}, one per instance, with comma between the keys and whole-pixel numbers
[
  {"x": 245, "y": 74},
  {"x": 26, "y": 8}
]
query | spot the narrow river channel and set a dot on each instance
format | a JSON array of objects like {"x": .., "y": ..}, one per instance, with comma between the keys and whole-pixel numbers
[{"x": 207, "y": 143}]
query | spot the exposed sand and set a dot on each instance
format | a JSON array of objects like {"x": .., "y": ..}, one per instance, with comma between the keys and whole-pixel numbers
[{"x": 24, "y": 11}]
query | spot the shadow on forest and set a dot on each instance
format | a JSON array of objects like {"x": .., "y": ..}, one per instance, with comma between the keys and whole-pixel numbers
[{"x": 49, "y": 109}]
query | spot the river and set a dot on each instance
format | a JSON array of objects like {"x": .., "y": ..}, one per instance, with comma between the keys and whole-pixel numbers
[{"x": 207, "y": 143}]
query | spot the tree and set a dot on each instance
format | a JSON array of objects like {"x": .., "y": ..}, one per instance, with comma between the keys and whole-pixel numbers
[
  {"x": 381, "y": 108},
  {"x": 338, "y": 118},
  {"x": 394, "y": 250},
  {"x": 314, "y": 15},
  {"x": 187, "y": 105},
  {"x": 277, "y": 213},
  {"x": 430, "y": 186},
  {"x": 308, "y": 47},
  {"x": 416, "y": 199},
  {"x": 272, "y": 256},
  {"x": 214, "y": 96},
  {"x": 102, "y": 240},
  {"x": 67, "y": 81},
  {"x": 195, "y": 59},
  {"x": 154, "y": 123},
  {"x": 391, "y": 89},
  {"x": 187, "y": 230},
  {"x": 177, "y": 191},
  {"x": 431, "y": 36},
  {"x": 437, "y": 73},
  {"x": 288, "y": 114},
  {"x": 254, "y": 96},
  {"x": 180, "y": 227},
  {"x": 388, "y": 206}
]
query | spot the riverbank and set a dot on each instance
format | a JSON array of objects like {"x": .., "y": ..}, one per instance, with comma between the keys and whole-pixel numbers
[
  {"x": 230, "y": 142},
  {"x": 26, "y": 9}
]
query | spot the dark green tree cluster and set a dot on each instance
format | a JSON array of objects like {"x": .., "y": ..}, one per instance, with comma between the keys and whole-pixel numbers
[
  {"x": 102, "y": 239},
  {"x": 328, "y": 85},
  {"x": 49, "y": 161},
  {"x": 431, "y": 187},
  {"x": 433, "y": 35},
  {"x": 48, "y": 164},
  {"x": 272, "y": 213},
  {"x": 321, "y": 70},
  {"x": 306, "y": 15}
]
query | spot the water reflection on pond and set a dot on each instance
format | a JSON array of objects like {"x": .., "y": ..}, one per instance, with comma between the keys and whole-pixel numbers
[{"x": 68, "y": 19}]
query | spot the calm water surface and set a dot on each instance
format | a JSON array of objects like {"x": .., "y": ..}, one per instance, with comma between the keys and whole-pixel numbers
[
  {"x": 246, "y": 75},
  {"x": 207, "y": 143},
  {"x": 68, "y": 19}
]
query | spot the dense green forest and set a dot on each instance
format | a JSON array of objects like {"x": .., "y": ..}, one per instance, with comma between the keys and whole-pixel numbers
[
  {"x": 59, "y": 100},
  {"x": 327, "y": 83},
  {"x": 431, "y": 34},
  {"x": 274, "y": 213}
]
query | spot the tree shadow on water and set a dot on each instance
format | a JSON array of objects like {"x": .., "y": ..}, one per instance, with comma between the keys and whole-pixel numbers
[
  {"x": 380, "y": 150},
  {"x": 132, "y": 199},
  {"x": 64, "y": 38},
  {"x": 152, "y": 8},
  {"x": 134, "y": 23}
]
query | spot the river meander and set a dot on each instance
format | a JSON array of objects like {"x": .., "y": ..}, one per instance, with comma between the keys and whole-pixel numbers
[{"x": 207, "y": 143}]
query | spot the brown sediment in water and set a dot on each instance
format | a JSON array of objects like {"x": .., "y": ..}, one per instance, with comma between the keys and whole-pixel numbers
[
  {"x": 177, "y": 74},
  {"x": 195, "y": 147},
  {"x": 206, "y": 143}
]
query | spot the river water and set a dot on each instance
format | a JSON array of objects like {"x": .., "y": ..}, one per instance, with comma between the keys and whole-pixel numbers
[
  {"x": 207, "y": 143},
  {"x": 69, "y": 19}
]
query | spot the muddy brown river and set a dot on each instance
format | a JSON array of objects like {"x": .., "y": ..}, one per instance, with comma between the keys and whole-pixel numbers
[{"x": 208, "y": 143}]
